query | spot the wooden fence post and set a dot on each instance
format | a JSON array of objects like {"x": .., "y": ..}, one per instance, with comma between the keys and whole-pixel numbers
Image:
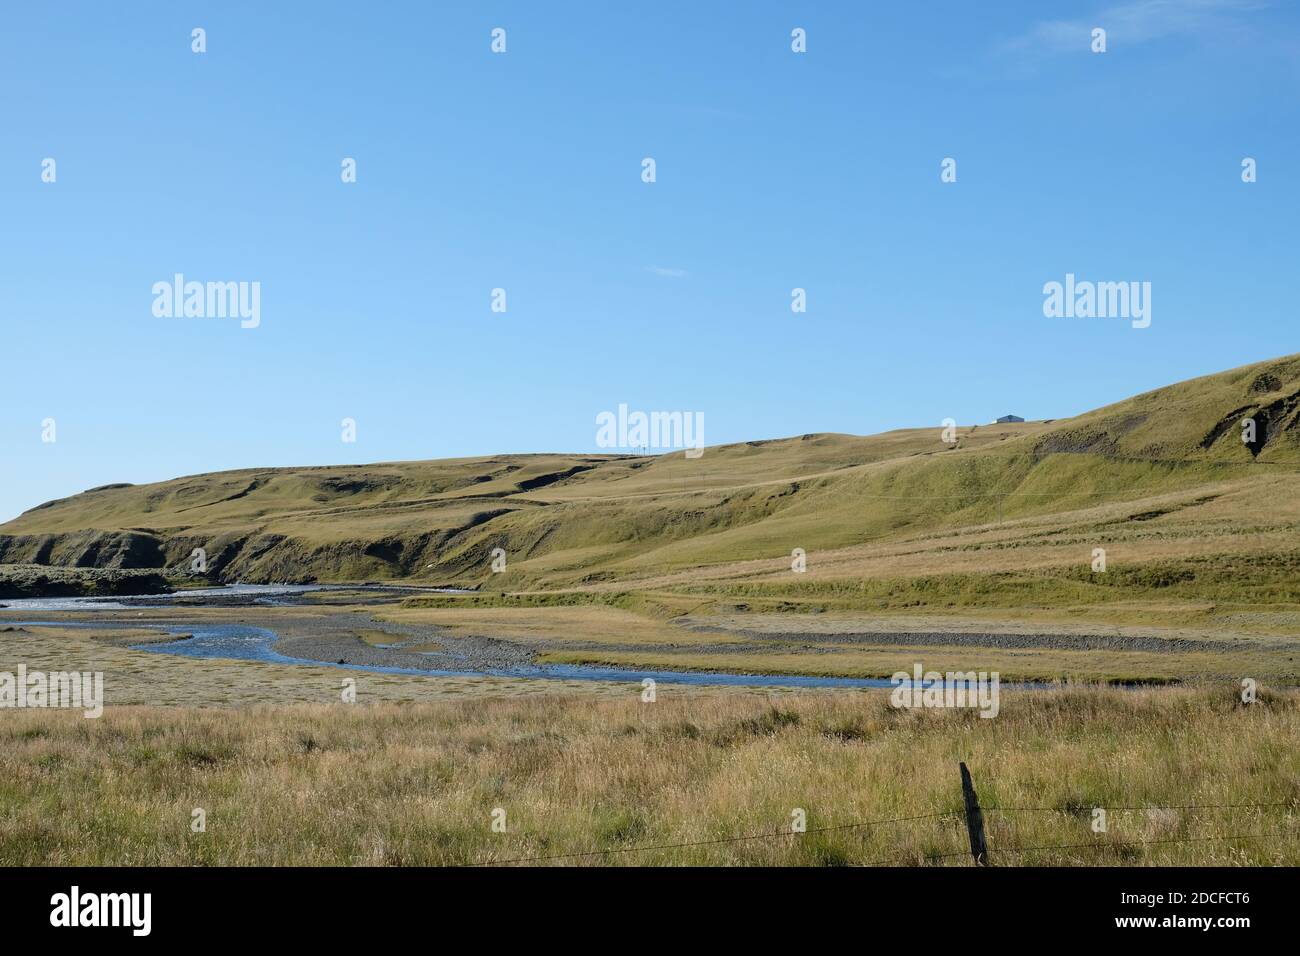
[{"x": 974, "y": 820}]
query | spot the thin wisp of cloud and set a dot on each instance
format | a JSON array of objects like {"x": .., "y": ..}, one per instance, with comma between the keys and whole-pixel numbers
[{"x": 1131, "y": 23}]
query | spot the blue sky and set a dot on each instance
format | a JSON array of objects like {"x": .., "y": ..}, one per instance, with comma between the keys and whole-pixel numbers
[{"x": 522, "y": 171}]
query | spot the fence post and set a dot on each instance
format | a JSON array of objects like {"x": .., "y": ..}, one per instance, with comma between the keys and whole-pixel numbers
[{"x": 974, "y": 820}]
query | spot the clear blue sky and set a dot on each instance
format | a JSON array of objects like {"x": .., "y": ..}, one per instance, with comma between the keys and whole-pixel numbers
[{"x": 522, "y": 171}]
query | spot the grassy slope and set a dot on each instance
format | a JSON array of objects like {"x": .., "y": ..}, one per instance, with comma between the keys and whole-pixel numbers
[{"x": 1161, "y": 480}]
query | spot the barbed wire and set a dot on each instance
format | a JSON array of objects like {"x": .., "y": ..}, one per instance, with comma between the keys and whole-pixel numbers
[
  {"x": 787, "y": 833},
  {"x": 737, "y": 839},
  {"x": 1186, "y": 806},
  {"x": 1094, "y": 845}
]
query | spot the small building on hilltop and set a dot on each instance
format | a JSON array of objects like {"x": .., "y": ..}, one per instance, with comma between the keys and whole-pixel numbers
[{"x": 1008, "y": 418}]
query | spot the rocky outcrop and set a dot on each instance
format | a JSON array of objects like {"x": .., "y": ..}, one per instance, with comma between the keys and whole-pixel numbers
[
  {"x": 32, "y": 581},
  {"x": 85, "y": 549}
]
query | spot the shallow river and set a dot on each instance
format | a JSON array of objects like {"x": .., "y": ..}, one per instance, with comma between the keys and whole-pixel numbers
[{"x": 249, "y": 643}]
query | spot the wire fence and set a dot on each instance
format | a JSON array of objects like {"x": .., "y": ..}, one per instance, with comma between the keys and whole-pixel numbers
[
  {"x": 1094, "y": 845},
  {"x": 774, "y": 834},
  {"x": 913, "y": 859}
]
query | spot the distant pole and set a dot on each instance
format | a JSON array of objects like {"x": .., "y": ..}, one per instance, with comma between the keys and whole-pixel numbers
[{"x": 974, "y": 820}]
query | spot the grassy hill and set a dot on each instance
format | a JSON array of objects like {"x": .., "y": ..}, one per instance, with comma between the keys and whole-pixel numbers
[{"x": 1161, "y": 479}]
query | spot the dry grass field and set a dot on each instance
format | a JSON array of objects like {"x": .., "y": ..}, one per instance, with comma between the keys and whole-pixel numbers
[{"x": 418, "y": 783}]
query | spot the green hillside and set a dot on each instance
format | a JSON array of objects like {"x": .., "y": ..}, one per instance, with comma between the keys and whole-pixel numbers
[{"x": 1140, "y": 466}]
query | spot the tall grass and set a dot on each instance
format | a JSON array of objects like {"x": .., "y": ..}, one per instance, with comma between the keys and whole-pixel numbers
[{"x": 418, "y": 783}]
